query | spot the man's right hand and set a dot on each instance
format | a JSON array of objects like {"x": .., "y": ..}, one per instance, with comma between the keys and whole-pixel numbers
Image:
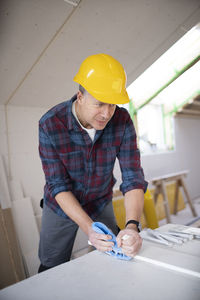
[
  {"x": 73, "y": 209},
  {"x": 100, "y": 241}
]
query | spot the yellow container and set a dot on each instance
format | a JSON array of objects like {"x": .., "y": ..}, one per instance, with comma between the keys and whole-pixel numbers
[
  {"x": 148, "y": 218},
  {"x": 150, "y": 211},
  {"x": 119, "y": 211}
]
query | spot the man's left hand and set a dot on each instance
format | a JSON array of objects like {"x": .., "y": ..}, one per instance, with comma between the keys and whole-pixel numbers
[{"x": 130, "y": 245}]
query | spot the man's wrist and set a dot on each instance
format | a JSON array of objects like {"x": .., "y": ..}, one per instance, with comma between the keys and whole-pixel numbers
[
  {"x": 133, "y": 224},
  {"x": 133, "y": 227}
]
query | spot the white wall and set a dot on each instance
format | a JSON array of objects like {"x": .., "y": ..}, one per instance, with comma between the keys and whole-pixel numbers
[
  {"x": 185, "y": 156},
  {"x": 26, "y": 166},
  {"x": 22, "y": 159}
]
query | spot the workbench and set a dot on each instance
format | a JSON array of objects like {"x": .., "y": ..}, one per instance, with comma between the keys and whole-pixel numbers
[{"x": 99, "y": 276}]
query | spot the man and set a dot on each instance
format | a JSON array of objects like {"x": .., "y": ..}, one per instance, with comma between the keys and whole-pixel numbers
[{"x": 80, "y": 140}]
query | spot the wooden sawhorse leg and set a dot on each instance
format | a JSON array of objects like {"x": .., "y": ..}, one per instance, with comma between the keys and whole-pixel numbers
[
  {"x": 165, "y": 202},
  {"x": 178, "y": 184},
  {"x": 188, "y": 197},
  {"x": 160, "y": 189}
]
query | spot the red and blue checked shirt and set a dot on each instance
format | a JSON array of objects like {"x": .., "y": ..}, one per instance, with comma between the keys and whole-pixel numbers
[{"x": 73, "y": 162}]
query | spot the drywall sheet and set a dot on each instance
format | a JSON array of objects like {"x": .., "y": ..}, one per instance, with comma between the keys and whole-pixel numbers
[
  {"x": 16, "y": 190},
  {"x": 4, "y": 195},
  {"x": 27, "y": 233},
  {"x": 99, "y": 276},
  {"x": 168, "y": 255}
]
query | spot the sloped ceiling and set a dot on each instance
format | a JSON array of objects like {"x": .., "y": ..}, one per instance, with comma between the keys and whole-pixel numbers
[
  {"x": 190, "y": 109},
  {"x": 43, "y": 42}
]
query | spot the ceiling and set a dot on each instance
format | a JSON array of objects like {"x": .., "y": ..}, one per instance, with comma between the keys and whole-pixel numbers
[
  {"x": 190, "y": 109},
  {"x": 43, "y": 42}
]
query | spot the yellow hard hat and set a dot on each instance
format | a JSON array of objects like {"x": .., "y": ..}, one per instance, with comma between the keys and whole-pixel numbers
[{"x": 104, "y": 78}]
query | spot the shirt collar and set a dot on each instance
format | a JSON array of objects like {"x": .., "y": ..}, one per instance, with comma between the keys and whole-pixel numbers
[{"x": 72, "y": 124}]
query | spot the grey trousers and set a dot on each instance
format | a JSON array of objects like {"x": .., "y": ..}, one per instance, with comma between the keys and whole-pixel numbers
[{"x": 58, "y": 234}]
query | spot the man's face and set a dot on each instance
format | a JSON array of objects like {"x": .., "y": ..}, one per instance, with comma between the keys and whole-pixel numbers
[{"x": 93, "y": 113}]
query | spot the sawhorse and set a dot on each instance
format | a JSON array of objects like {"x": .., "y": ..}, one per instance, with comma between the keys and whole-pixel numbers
[{"x": 159, "y": 183}]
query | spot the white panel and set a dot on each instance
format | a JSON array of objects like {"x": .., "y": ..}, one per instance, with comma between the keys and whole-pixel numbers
[
  {"x": 32, "y": 261},
  {"x": 38, "y": 220},
  {"x": 25, "y": 224},
  {"x": 27, "y": 233},
  {"x": 16, "y": 190},
  {"x": 172, "y": 256},
  {"x": 25, "y": 163},
  {"x": 81, "y": 241},
  {"x": 4, "y": 189},
  {"x": 99, "y": 276},
  {"x": 3, "y": 143},
  {"x": 26, "y": 29}
]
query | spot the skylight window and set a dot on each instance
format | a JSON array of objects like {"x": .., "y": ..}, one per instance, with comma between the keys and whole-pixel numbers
[
  {"x": 164, "y": 89},
  {"x": 166, "y": 69}
]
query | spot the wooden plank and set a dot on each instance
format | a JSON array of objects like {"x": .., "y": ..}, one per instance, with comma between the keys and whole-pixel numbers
[
  {"x": 196, "y": 103},
  {"x": 170, "y": 176},
  {"x": 188, "y": 198},
  {"x": 176, "y": 197},
  {"x": 12, "y": 269},
  {"x": 190, "y": 112},
  {"x": 180, "y": 115},
  {"x": 165, "y": 202}
]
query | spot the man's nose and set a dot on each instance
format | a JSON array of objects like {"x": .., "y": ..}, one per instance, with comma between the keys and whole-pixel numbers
[{"x": 106, "y": 112}]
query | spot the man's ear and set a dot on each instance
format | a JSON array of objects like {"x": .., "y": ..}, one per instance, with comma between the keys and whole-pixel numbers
[{"x": 79, "y": 97}]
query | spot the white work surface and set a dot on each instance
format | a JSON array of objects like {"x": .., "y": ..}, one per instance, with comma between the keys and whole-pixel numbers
[
  {"x": 186, "y": 256},
  {"x": 99, "y": 276}
]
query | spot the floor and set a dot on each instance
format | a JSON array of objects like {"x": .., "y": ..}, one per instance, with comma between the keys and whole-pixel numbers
[{"x": 185, "y": 216}]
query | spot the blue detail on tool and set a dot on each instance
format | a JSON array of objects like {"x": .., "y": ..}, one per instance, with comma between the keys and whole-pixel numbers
[{"x": 116, "y": 252}]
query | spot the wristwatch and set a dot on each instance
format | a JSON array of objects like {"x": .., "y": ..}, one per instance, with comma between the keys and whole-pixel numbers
[{"x": 136, "y": 223}]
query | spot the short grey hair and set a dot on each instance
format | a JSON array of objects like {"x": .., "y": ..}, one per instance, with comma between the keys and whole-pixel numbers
[{"x": 82, "y": 89}]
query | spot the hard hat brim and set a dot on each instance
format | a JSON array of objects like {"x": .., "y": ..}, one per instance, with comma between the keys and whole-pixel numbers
[{"x": 121, "y": 98}]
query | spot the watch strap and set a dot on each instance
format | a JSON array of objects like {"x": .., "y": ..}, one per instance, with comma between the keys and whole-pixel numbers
[{"x": 134, "y": 222}]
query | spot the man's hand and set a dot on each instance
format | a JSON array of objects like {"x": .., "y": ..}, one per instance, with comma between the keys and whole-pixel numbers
[
  {"x": 100, "y": 241},
  {"x": 131, "y": 245}
]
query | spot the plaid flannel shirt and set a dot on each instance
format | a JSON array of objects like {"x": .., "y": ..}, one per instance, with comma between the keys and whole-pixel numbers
[{"x": 73, "y": 162}]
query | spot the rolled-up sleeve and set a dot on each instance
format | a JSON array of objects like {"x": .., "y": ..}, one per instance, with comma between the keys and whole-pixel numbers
[
  {"x": 129, "y": 160},
  {"x": 57, "y": 179}
]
